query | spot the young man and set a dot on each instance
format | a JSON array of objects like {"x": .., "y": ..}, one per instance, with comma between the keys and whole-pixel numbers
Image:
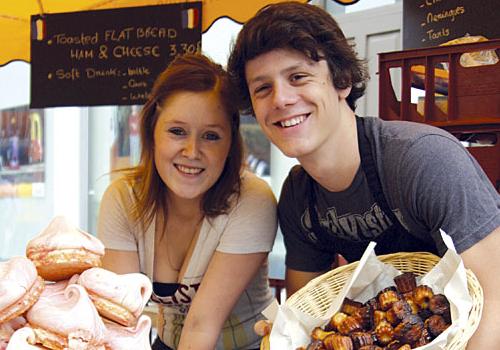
[{"x": 359, "y": 179}]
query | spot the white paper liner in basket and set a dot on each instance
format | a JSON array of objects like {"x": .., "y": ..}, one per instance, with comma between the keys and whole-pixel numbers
[{"x": 292, "y": 327}]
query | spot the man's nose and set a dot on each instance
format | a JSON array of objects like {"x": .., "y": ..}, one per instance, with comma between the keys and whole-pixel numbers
[
  {"x": 191, "y": 148},
  {"x": 283, "y": 95}
]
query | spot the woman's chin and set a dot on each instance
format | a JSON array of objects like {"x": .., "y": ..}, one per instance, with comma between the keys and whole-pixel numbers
[{"x": 189, "y": 193}]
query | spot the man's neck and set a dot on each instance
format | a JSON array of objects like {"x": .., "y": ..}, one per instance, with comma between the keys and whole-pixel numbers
[{"x": 334, "y": 166}]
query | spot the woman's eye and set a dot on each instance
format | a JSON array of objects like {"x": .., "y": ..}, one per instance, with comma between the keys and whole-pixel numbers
[
  {"x": 211, "y": 136},
  {"x": 177, "y": 131},
  {"x": 261, "y": 89}
]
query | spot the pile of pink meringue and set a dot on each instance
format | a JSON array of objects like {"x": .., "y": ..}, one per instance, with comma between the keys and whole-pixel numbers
[{"x": 94, "y": 309}]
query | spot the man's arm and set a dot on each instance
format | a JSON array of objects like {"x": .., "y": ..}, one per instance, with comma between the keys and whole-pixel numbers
[
  {"x": 484, "y": 260},
  {"x": 294, "y": 279}
]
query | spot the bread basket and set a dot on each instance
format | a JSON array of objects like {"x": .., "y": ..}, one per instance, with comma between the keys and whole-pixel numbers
[{"x": 316, "y": 296}]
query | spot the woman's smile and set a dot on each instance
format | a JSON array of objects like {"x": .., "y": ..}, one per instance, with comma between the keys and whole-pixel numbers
[{"x": 188, "y": 170}]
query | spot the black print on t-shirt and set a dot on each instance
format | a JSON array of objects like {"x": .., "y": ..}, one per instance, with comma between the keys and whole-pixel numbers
[
  {"x": 353, "y": 227},
  {"x": 183, "y": 295}
]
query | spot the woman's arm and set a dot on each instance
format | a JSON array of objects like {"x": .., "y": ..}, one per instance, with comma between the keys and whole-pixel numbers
[
  {"x": 225, "y": 280},
  {"x": 115, "y": 230},
  {"x": 248, "y": 236},
  {"x": 121, "y": 261}
]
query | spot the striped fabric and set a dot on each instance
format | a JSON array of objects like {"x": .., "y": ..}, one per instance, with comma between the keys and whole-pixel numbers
[{"x": 235, "y": 334}]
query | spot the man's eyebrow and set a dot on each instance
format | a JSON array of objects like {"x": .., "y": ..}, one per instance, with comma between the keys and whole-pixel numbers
[{"x": 283, "y": 71}]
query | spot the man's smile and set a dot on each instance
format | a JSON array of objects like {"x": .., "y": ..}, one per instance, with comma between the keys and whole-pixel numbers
[{"x": 292, "y": 121}]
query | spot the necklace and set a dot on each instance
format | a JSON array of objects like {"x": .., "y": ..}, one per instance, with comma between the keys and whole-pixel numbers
[
  {"x": 176, "y": 269},
  {"x": 186, "y": 248}
]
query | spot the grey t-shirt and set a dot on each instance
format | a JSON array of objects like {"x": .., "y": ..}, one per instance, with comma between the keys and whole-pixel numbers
[{"x": 429, "y": 180}]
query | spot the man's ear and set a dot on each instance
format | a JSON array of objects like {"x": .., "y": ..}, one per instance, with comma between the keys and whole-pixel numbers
[{"x": 343, "y": 93}]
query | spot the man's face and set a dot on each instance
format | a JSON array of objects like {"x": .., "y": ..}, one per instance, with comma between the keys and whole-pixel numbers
[{"x": 294, "y": 101}]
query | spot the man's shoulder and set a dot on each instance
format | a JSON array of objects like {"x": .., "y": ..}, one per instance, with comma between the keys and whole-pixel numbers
[
  {"x": 400, "y": 130},
  {"x": 297, "y": 178},
  {"x": 297, "y": 173},
  {"x": 295, "y": 187},
  {"x": 394, "y": 140}
]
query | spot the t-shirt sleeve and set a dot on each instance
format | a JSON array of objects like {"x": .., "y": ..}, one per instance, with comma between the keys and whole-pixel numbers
[
  {"x": 113, "y": 224},
  {"x": 252, "y": 224},
  {"x": 302, "y": 254},
  {"x": 449, "y": 190}
]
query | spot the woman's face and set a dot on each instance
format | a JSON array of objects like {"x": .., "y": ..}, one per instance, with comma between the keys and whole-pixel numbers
[{"x": 192, "y": 138}]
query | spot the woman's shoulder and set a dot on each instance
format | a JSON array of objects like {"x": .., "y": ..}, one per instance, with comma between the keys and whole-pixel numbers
[
  {"x": 252, "y": 185},
  {"x": 118, "y": 185},
  {"x": 120, "y": 188},
  {"x": 254, "y": 193}
]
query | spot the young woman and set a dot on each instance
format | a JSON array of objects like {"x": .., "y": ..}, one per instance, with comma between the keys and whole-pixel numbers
[{"x": 189, "y": 217}]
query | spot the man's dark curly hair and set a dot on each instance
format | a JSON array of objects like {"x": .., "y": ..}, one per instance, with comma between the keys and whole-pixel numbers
[{"x": 302, "y": 27}]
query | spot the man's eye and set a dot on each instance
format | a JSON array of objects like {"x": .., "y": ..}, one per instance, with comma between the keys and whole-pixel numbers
[
  {"x": 177, "y": 131},
  {"x": 211, "y": 136},
  {"x": 297, "y": 77}
]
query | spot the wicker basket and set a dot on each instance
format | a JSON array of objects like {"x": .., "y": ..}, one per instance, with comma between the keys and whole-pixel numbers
[{"x": 315, "y": 297}]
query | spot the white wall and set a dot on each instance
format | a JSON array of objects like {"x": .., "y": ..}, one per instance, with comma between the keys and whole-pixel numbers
[
  {"x": 101, "y": 137},
  {"x": 14, "y": 84},
  {"x": 65, "y": 168},
  {"x": 69, "y": 163},
  {"x": 216, "y": 42},
  {"x": 65, "y": 176}
]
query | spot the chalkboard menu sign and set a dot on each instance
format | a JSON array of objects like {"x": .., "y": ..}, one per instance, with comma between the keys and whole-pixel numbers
[
  {"x": 433, "y": 22},
  {"x": 108, "y": 57}
]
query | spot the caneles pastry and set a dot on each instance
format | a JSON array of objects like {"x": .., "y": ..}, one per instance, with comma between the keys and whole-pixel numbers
[
  {"x": 422, "y": 296},
  {"x": 319, "y": 334},
  {"x": 397, "y": 318},
  {"x": 338, "y": 342},
  {"x": 439, "y": 305},
  {"x": 387, "y": 297},
  {"x": 316, "y": 345},
  {"x": 384, "y": 332},
  {"x": 350, "y": 306},
  {"x": 436, "y": 325},
  {"x": 398, "y": 311},
  {"x": 409, "y": 330},
  {"x": 349, "y": 324},
  {"x": 361, "y": 338},
  {"x": 406, "y": 282}
]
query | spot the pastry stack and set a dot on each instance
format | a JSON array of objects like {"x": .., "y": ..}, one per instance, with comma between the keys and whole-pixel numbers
[{"x": 58, "y": 297}]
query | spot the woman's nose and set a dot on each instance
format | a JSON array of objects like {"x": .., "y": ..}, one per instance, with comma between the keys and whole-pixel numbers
[{"x": 191, "y": 148}]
